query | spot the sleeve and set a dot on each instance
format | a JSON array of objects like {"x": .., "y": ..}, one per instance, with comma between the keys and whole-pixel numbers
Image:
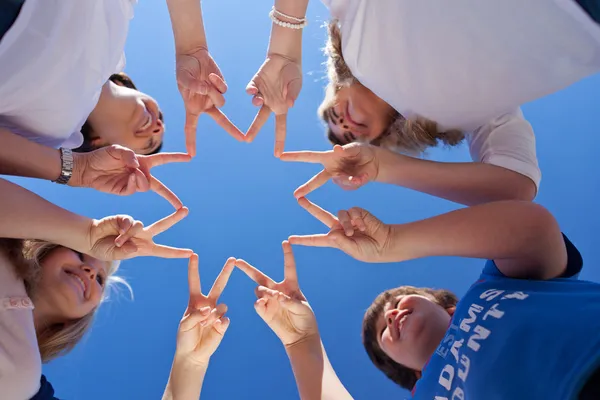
[
  {"x": 46, "y": 391},
  {"x": 572, "y": 269},
  {"x": 507, "y": 141},
  {"x": 20, "y": 361}
]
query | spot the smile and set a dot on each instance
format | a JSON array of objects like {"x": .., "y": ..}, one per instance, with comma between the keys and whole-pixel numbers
[
  {"x": 79, "y": 281},
  {"x": 401, "y": 319},
  {"x": 147, "y": 123}
]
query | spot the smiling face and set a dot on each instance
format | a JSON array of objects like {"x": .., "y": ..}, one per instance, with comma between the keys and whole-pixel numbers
[
  {"x": 70, "y": 287},
  {"x": 402, "y": 328},
  {"x": 354, "y": 113},
  {"x": 127, "y": 117},
  {"x": 410, "y": 329}
]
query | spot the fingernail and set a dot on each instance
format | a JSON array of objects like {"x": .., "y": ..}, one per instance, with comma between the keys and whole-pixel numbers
[{"x": 205, "y": 310}]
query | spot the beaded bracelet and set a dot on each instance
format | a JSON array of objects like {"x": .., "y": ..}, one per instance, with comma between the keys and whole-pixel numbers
[{"x": 299, "y": 24}]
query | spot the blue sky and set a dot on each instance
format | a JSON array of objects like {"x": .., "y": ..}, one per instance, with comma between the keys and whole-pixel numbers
[{"x": 242, "y": 205}]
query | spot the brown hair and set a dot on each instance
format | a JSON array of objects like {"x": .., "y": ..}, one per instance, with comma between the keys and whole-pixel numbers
[
  {"x": 403, "y": 376},
  {"x": 409, "y": 136},
  {"x": 121, "y": 79},
  {"x": 26, "y": 257}
]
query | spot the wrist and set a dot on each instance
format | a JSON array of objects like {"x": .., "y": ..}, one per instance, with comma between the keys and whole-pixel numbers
[
  {"x": 187, "y": 24},
  {"x": 391, "y": 166},
  {"x": 78, "y": 168},
  {"x": 183, "y": 362},
  {"x": 286, "y": 43},
  {"x": 307, "y": 342},
  {"x": 403, "y": 244}
]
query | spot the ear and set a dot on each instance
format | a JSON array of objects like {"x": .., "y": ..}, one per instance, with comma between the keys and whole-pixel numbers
[{"x": 451, "y": 310}]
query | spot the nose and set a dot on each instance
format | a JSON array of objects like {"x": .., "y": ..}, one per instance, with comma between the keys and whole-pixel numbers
[
  {"x": 159, "y": 128},
  {"x": 390, "y": 316},
  {"x": 90, "y": 271}
]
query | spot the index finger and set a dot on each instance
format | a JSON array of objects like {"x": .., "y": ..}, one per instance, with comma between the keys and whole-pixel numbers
[
  {"x": 324, "y": 216},
  {"x": 289, "y": 263},
  {"x": 280, "y": 132},
  {"x": 167, "y": 222},
  {"x": 224, "y": 122},
  {"x": 313, "y": 157},
  {"x": 221, "y": 280},
  {"x": 194, "y": 276},
  {"x": 167, "y": 158},
  {"x": 261, "y": 118},
  {"x": 191, "y": 124},
  {"x": 254, "y": 274},
  {"x": 314, "y": 183},
  {"x": 162, "y": 190},
  {"x": 159, "y": 250}
]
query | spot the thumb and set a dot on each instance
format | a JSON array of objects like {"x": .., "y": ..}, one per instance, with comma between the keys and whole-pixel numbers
[
  {"x": 293, "y": 90},
  {"x": 342, "y": 242},
  {"x": 221, "y": 325},
  {"x": 251, "y": 88},
  {"x": 260, "y": 306},
  {"x": 293, "y": 305},
  {"x": 124, "y": 154}
]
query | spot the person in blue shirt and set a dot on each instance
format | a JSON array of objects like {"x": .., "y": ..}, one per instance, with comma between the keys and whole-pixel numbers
[{"x": 526, "y": 329}]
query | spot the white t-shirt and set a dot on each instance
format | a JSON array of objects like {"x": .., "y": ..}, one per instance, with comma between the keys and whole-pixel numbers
[
  {"x": 20, "y": 361},
  {"x": 54, "y": 61},
  {"x": 469, "y": 64}
]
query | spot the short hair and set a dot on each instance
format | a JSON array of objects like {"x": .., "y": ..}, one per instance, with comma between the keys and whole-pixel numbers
[
  {"x": 402, "y": 375},
  {"x": 121, "y": 79}
]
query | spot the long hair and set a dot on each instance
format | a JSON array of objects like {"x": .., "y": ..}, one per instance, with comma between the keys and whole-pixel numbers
[
  {"x": 408, "y": 136},
  {"x": 58, "y": 339}
]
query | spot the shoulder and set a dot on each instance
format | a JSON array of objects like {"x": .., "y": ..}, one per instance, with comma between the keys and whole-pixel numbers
[
  {"x": 572, "y": 268},
  {"x": 507, "y": 141},
  {"x": 20, "y": 361}
]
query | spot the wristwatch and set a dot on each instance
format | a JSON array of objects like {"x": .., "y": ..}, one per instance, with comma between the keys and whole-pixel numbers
[{"x": 66, "y": 158}]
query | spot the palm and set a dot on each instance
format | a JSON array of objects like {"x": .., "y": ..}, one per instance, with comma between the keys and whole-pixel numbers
[
  {"x": 192, "y": 71},
  {"x": 282, "y": 305},
  {"x": 119, "y": 237},
  {"x": 275, "y": 87},
  {"x": 196, "y": 341},
  {"x": 202, "y": 86},
  {"x": 118, "y": 170},
  {"x": 356, "y": 232},
  {"x": 350, "y": 166}
]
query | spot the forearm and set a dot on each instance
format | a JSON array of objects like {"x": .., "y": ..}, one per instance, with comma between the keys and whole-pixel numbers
[
  {"x": 521, "y": 232},
  {"x": 469, "y": 183},
  {"x": 187, "y": 24},
  {"x": 285, "y": 41},
  {"x": 185, "y": 381},
  {"x": 22, "y": 157},
  {"x": 25, "y": 215},
  {"x": 315, "y": 377}
]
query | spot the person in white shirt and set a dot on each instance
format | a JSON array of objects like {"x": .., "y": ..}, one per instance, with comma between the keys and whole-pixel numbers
[
  {"x": 407, "y": 75},
  {"x": 50, "y": 288},
  {"x": 56, "y": 59}
]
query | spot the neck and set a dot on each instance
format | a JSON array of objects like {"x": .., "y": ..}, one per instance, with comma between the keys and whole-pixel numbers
[{"x": 41, "y": 319}]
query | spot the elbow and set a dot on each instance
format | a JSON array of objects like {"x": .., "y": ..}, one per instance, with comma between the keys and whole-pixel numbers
[{"x": 522, "y": 188}]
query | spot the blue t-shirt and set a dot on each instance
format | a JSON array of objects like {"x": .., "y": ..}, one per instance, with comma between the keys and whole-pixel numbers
[{"x": 518, "y": 339}]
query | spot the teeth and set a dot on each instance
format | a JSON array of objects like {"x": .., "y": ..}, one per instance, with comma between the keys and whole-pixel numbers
[
  {"x": 80, "y": 281},
  {"x": 147, "y": 123}
]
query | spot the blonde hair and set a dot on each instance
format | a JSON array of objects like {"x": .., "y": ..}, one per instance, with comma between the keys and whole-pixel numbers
[
  {"x": 57, "y": 339},
  {"x": 409, "y": 136}
]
